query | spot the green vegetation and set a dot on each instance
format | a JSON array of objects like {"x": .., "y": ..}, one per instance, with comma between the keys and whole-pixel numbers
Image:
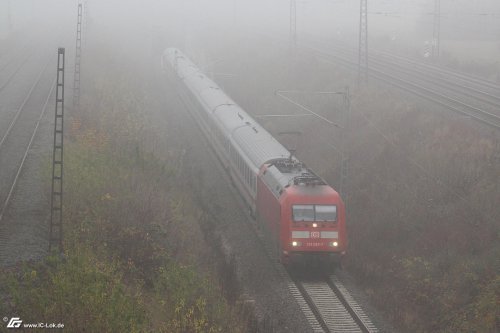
[
  {"x": 117, "y": 274},
  {"x": 122, "y": 270},
  {"x": 424, "y": 219}
]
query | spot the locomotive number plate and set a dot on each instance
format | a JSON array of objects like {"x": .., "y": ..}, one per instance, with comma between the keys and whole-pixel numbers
[
  {"x": 315, "y": 234},
  {"x": 314, "y": 244}
]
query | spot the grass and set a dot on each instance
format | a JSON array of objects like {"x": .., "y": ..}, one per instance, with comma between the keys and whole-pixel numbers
[{"x": 123, "y": 267}]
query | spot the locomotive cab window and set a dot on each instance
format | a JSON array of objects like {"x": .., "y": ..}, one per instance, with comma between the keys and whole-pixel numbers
[
  {"x": 320, "y": 213},
  {"x": 303, "y": 213},
  {"x": 325, "y": 213}
]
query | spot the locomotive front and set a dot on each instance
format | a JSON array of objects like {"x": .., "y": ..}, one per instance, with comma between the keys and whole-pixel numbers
[
  {"x": 313, "y": 220},
  {"x": 309, "y": 214}
]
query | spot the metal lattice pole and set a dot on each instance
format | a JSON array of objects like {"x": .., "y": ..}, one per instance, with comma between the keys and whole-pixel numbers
[
  {"x": 363, "y": 42},
  {"x": 436, "y": 31},
  {"x": 56, "y": 220},
  {"x": 344, "y": 167},
  {"x": 78, "y": 59},
  {"x": 293, "y": 24},
  {"x": 85, "y": 21}
]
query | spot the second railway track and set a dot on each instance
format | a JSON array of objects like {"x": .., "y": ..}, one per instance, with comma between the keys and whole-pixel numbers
[
  {"x": 480, "y": 103},
  {"x": 438, "y": 97},
  {"x": 20, "y": 189}
]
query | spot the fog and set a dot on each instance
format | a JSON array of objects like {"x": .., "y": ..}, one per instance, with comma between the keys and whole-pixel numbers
[
  {"x": 420, "y": 186},
  {"x": 405, "y": 23}
]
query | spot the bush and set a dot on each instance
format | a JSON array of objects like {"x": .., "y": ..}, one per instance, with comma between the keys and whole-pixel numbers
[{"x": 79, "y": 290}]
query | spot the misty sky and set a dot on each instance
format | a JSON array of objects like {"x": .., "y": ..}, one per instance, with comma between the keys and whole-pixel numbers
[{"x": 406, "y": 21}]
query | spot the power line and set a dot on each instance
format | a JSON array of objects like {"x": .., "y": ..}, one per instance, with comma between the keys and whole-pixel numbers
[{"x": 344, "y": 153}]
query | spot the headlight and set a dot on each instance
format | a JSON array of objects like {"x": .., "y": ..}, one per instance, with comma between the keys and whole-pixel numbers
[
  {"x": 334, "y": 244},
  {"x": 295, "y": 243},
  {"x": 315, "y": 225}
]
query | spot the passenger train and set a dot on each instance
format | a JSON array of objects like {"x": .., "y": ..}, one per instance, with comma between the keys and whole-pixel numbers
[{"x": 302, "y": 215}]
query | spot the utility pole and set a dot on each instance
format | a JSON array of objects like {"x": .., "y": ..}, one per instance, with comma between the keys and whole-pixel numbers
[
  {"x": 293, "y": 24},
  {"x": 78, "y": 59},
  {"x": 56, "y": 219},
  {"x": 85, "y": 21},
  {"x": 9, "y": 16},
  {"x": 436, "y": 31},
  {"x": 363, "y": 42}
]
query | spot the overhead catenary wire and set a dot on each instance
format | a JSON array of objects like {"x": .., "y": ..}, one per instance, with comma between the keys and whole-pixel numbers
[{"x": 280, "y": 93}]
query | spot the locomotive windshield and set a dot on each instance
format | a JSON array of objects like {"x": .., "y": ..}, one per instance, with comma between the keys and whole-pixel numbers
[
  {"x": 325, "y": 213},
  {"x": 322, "y": 213},
  {"x": 303, "y": 212}
]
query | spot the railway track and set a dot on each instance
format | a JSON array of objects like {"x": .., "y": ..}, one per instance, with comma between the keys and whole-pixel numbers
[
  {"x": 22, "y": 106},
  {"x": 323, "y": 299},
  {"x": 25, "y": 155},
  {"x": 477, "y": 91},
  {"x": 439, "y": 97},
  {"x": 9, "y": 76},
  {"x": 471, "y": 97},
  {"x": 16, "y": 143},
  {"x": 333, "y": 307},
  {"x": 327, "y": 304},
  {"x": 473, "y": 82},
  {"x": 417, "y": 67},
  {"x": 11, "y": 63}
]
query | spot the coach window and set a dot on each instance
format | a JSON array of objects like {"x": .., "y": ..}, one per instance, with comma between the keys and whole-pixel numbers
[
  {"x": 326, "y": 213},
  {"x": 303, "y": 213}
]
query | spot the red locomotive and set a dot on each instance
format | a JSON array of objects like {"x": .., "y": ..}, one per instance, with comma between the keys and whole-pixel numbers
[{"x": 303, "y": 216}]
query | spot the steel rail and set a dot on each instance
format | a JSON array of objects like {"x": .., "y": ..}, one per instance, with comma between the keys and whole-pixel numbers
[
  {"x": 351, "y": 305},
  {"x": 315, "y": 309},
  {"x": 430, "y": 68},
  {"x": 23, "y": 104},
  {"x": 429, "y": 76},
  {"x": 14, "y": 183},
  {"x": 333, "y": 306},
  {"x": 435, "y": 69},
  {"x": 10, "y": 57},
  {"x": 305, "y": 302},
  {"x": 481, "y": 115},
  {"x": 11, "y": 76}
]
